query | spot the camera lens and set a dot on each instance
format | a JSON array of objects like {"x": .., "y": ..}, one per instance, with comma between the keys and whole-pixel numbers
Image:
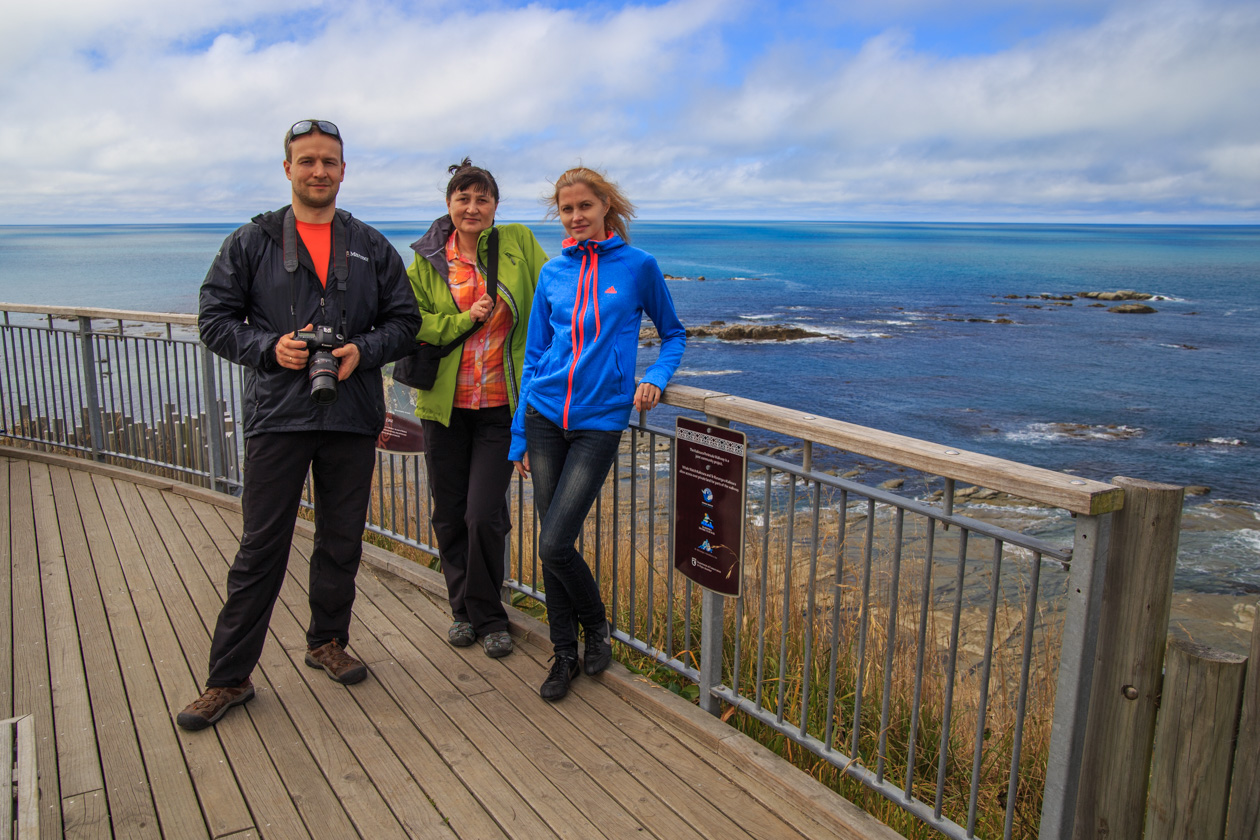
[{"x": 323, "y": 376}]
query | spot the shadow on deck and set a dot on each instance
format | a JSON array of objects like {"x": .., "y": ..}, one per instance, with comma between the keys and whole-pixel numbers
[{"x": 113, "y": 581}]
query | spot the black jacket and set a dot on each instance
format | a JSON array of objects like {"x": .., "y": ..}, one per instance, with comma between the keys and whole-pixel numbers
[{"x": 248, "y": 300}]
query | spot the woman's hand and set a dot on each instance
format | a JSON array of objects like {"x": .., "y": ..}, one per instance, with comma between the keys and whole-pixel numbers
[
  {"x": 647, "y": 397},
  {"x": 522, "y": 466},
  {"x": 480, "y": 311}
]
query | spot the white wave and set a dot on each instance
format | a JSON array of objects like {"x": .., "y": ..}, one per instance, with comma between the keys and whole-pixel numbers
[
  {"x": 847, "y": 332},
  {"x": 1050, "y": 432},
  {"x": 756, "y": 317},
  {"x": 708, "y": 373},
  {"x": 1227, "y": 441}
]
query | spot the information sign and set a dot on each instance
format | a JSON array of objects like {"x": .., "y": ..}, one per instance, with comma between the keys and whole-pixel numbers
[{"x": 709, "y": 483}]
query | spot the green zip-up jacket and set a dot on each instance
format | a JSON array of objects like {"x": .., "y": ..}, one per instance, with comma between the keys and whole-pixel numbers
[{"x": 520, "y": 260}]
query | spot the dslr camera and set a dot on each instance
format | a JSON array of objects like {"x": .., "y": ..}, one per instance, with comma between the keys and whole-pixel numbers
[{"x": 322, "y": 367}]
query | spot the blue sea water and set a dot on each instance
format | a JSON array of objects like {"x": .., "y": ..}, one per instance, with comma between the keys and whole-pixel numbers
[{"x": 912, "y": 340}]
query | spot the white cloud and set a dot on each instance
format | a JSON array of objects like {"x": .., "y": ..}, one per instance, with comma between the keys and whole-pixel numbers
[{"x": 133, "y": 110}]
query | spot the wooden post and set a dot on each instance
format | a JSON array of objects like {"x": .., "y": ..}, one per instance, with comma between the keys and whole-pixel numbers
[
  {"x": 1194, "y": 743},
  {"x": 1132, "y": 633},
  {"x": 1244, "y": 798}
]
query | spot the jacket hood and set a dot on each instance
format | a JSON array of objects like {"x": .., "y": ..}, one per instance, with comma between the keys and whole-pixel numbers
[
  {"x": 434, "y": 240},
  {"x": 571, "y": 247}
]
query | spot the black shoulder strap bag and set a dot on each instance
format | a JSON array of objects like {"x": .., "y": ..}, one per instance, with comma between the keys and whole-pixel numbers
[{"x": 419, "y": 370}]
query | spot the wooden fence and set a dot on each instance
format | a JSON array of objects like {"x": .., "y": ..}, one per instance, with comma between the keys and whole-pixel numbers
[{"x": 1173, "y": 743}]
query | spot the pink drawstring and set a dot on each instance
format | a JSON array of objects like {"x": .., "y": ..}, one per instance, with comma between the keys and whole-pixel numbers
[{"x": 587, "y": 291}]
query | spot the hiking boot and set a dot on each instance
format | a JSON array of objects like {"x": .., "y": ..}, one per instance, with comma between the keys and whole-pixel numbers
[
  {"x": 598, "y": 653},
  {"x": 498, "y": 643},
  {"x": 461, "y": 634},
  {"x": 341, "y": 666},
  {"x": 564, "y": 668},
  {"x": 213, "y": 704}
]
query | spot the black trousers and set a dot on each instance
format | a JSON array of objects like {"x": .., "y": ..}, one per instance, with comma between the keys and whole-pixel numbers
[
  {"x": 276, "y": 466},
  {"x": 469, "y": 473}
]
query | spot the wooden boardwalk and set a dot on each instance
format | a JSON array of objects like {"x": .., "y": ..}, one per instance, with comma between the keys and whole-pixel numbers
[{"x": 112, "y": 582}]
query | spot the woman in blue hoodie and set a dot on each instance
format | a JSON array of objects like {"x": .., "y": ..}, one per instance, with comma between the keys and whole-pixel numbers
[{"x": 577, "y": 391}]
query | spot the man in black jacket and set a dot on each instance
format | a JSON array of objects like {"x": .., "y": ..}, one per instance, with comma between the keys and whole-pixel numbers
[{"x": 312, "y": 268}]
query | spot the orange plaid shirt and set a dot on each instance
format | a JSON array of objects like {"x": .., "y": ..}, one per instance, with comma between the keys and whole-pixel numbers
[{"x": 481, "y": 382}]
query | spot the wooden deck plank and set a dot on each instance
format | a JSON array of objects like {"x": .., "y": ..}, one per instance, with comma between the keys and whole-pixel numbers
[
  {"x": 6, "y": 592},
  {"x": 30, "y": 811},
  {"x": 86, "y": 815},
  {"x": 544, "y": 797},
  {"x": 351, "y": 712},
  {"x": 287, "y": 625},
  {"x": 78, "y": 757},
  {"x": 702, "y": 797},
  {"x": 8, "y": 736},
  {"x": 570, "y": 756},
  {"x": 32, "y": 693},
  {"x": 279, "y": 741},
  {"x": 614, "y": 799},
  {"x": 93, "y": 567},
  {"x": 528, "y": 672},
  {"x": 811, "y": 808},
  {"x": 264, "y": 791},
  {"x": 131, "y": 616},
  {"x": 222, "y": 804},
  {"x": 427, "y": 696},
  {"x": 566, "y": 818}
]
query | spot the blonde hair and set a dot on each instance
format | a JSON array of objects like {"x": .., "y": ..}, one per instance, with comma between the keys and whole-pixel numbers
[{"x": 620, "y": 210}]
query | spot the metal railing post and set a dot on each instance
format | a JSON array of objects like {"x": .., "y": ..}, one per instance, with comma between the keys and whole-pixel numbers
[
  {"x": 711, "y": 613},
  {"x": 214, "y": 415},
  {"x": 88, "y": 353},
  {"x": 1076, "y": 675}
]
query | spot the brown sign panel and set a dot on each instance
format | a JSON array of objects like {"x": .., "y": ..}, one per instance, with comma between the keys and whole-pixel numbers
[{"x": 709, "y": 473}]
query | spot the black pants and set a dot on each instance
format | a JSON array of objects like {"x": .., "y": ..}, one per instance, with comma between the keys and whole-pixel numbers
[
  {"x": 276, "y": 466},
  {"x": 469, "y": 473}
]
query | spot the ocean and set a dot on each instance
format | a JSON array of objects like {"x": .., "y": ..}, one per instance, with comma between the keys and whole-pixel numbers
[{"x": 964, "y": 334}]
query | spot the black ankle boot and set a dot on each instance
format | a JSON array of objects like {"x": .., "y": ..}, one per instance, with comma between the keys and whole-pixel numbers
[
  {"x": 564, "y": 668},
  {"x": 598, "y": 654}
]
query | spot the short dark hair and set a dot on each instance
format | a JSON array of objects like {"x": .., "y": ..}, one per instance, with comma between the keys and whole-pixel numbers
[{"x": 465, "y": 176}]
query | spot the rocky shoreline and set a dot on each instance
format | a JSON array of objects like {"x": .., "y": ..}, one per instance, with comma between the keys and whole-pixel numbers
[{"x": 722, "y": 331}]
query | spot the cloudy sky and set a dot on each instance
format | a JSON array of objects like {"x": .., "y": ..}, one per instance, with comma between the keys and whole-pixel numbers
[{"x": 986, "y": 110}]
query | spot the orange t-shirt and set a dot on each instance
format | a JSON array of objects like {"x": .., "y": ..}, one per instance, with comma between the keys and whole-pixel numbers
[{"x": 318, "y": 242}]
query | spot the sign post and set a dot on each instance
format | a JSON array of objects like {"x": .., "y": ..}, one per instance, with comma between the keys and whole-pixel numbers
[{"x": 709, "y": 487}]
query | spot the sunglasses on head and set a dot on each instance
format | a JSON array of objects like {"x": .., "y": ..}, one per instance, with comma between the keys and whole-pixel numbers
[{"x": 307, "y": 126}]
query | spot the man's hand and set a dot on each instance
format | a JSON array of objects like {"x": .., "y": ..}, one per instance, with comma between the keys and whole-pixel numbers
[
  {"x": 647, "y": 397},
  {"x": 522, "y": 466},
  {"x": 348, "y": 355},
  {"x": 291, "y": 353}
]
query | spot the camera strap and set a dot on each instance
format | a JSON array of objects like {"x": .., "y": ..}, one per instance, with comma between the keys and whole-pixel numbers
[{"x": 340, "y": 262}]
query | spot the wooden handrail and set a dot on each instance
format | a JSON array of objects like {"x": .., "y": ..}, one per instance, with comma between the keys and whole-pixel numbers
[
  {"x": 1078, "y": 495},
  {"x": 103, "y": 314}
]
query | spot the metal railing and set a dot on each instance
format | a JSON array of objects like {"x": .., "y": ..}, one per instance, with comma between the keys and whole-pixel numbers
[{"x": 911, "y": 647}]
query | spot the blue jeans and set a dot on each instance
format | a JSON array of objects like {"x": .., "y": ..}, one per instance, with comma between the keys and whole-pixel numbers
[{"x": 568, "y": 468}]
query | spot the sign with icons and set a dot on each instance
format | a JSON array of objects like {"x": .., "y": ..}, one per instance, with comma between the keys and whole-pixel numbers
[{"x": 709, "y": 486}]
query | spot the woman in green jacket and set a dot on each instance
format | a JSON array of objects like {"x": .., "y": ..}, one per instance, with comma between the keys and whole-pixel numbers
[{"x": 467, "y": 414}]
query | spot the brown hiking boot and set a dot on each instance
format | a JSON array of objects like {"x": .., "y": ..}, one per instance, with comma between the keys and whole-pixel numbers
[
  {"x": 213, "y": 704},
  {"x": 341, "y": 666}
]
